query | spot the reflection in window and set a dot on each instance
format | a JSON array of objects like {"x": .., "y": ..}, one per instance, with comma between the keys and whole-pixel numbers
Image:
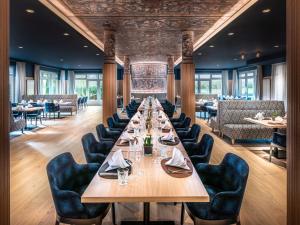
[
  {"x": 49, "y": 83},
  {"x": 208, "y": 83},
  {"x": 247, "y": 84}
]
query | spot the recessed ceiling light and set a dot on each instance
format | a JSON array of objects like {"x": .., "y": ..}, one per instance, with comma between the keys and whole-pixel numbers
[
  {"x": 200, "y": 53},
  {"x": 85, "y": 46},
  {"x": 97, "y": 54},
  {"x": 66, "y": 34},
  {"x": 258, "y": 54},
  {"x": 276, "y": 46},
  {"x": 230, "y": 34},
  {"x": 20, "y": 46},
  {"x": 79, "y": 65},
  {"x": 266, "y": 11},
  {"x": 218, "y": 65},
  {"x": 61, "y": 60},
  {"x": 211, "y": 46},
  {"x": 31, "y": 11}
]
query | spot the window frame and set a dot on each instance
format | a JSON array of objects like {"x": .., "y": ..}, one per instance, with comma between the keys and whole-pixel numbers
[
  {"x": 210, "y": 79},
  {"x": 51, "y": 76},
  {"x": 247, "y": 75}
]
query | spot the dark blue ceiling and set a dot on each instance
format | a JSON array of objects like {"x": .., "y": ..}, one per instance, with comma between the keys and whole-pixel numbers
[
  {"x": 253, "y": 31},
  {"x": 41, "y": 35}
]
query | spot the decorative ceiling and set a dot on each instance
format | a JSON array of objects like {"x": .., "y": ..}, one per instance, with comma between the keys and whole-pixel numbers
[{"x": 149, "y": 30}]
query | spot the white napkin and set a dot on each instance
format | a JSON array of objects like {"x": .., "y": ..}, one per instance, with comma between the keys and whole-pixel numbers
[
  {"x": 30, "y": 101},
  {"x": 39, "y": 102},
  {"x": 117, "y": 161},
  {"x": 45, "y": 101},
  {"x": 125, "y": 137},
  {"x": 23, "y": 102},
  {"x": 168, "y": 137},
  {"x": 259, "y": 116},
  {"x": 178, "y": 160},
  {"x": 55, "y": 101},
  {"x": 61, "y": 101},
  {"x": 167, "y": 125},
  {"x": 279, "y": 119}
]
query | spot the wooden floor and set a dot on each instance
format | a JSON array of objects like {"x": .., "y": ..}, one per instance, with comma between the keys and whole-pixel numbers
[{"x": 31, "y": 202}]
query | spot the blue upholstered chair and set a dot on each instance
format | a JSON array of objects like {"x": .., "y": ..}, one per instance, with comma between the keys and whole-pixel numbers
[
  {"x": 79, "y": 102},
  {"x": 68, "y": 181},
  {"x": 51, "y": 108},
  {"x": 225, "y": 184},
  {"x": 278, "y": 141},
  {"x": 113, "y": 125},
  {"x": 180, "y": 119},
  {"x": 94, "y": 151},
  {"x": 34, "y": 115},
  {"x": 130, "y": 113},
  {"x": 104, "y": 135},
  {"x": 200, "y": 152},
  {"x": 190, "y": 136},
  {"x": 183, "y": 126},
  {"x": 119, "y": 120},
  {"x": 204, "y": 109},
  {"x": 170, "y": 111}
]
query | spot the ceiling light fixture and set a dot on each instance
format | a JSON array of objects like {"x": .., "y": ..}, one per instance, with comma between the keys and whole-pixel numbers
[
  {"x": 20, "y": 47},
  {"x": 230, "y": 34},
  {"x": 211, "y": 46},
  {"x": 258, "y": 54},
  {"x": 266, "y": 11},
  {"x": 235, "y": 59},
  {"x": 31, "y": 11},
  {"x": 61, "y": 60},
  {"x": 97, "y": 54},
  {"x": 200, "y": 53},
  {"x": 85, "y": 46},
  {"x": 276, "y": 46},
  {"x": 242, "y": 56},
  {"x": 66, "y": 34},
  {"x": 79, "y": 65}
]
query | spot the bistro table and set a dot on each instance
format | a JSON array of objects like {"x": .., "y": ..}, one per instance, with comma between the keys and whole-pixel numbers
[
  {"x": 153, "y": 185},
  {"x": 25, "y": 110},
  {"x": 270, "y": 124}
]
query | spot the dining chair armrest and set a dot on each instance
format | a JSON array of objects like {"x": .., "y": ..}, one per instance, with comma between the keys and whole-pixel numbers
[
  {"x": 196, "y": 159},
  {"x": 227, "y": 202},
  {"x": 209, "y": 174}
]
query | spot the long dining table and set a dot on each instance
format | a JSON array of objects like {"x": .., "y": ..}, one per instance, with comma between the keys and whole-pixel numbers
[{"x": 152, "y": 185}]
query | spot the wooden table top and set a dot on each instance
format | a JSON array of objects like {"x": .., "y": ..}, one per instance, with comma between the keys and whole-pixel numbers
[
  {"x": 154, "y": 185},
  {"x": 268, "y": 123}
]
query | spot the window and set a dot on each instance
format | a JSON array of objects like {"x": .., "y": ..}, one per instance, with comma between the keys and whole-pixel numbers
[
  {"x": 12, "y": 80},
  {"x": 247, "y": 84},
  {"x": 49, "y": 83},
  {"x": 208, "y": 83},
  {"x": 90, "y": 85}
]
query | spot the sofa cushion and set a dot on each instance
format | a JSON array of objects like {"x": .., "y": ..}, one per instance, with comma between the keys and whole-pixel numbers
[{"x": 247, "y": 131}]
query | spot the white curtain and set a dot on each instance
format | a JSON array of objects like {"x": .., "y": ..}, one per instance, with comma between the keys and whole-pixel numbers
[
  {"x": 225, "y": 82},
  {"x": 20, "y": 81},
  {"x": 62, "y": 82},
  {"x": 258, "y": 82},
  {"x": 235, "y": 83},
  {"x": 279, "y": 82},
  {"x": 71, "y": 82},
  {"x": 37, "y": 79}
]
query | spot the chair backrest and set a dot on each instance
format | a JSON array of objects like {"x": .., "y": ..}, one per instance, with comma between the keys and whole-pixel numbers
[
  {"x": 101, "y": 131},
  {"x": 116, "y": 117},
  {"x": 206, "y": 145},
  {"x": 49, "y": 107},
  {"x": 182, "y": 116},
  {"x": 195, "y": 131},
  {"x": 187, "y": 122},
  {"x": 110, "y": 122},
  {"x": 79, "y": 100}
]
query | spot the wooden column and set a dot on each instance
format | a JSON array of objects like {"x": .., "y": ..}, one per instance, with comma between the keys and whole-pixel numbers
[
  {"x": 293, "y": 135},
  {"x": 126, "y": 82},
  {"x": 109, "y": 75},
  {"x": 188, "y": 75},
  {"x": 171, "y": 80},
  {"x": 4, "y": 116}
]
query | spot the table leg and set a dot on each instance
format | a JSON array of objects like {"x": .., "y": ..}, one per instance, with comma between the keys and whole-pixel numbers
[{"x": 146, "y": 213}]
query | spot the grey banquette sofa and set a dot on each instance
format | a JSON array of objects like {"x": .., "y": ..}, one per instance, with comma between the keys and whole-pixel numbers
[
  {"x": 231, "y": 123},
  {"x": 69, "y": 104}
]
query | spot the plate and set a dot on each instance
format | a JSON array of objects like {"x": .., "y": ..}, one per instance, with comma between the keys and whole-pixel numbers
[
  {"x": 175, "y": 171},
  {"x": 170, "y": 143}
]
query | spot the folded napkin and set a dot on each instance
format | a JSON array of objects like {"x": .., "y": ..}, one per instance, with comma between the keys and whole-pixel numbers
[
  {"x": 279, "y": 119},
  {"x": 117, "y": 161},
  {"x": 61, "y": 101},
  {"x": 259, "y": 116},
  {"x": 30, "y": 101},
  {"x": 168, "y": 137},
  {"x": 39, "y": 102},
  {"x": 178, "y": 160},
  {"x": 166, "y": 125},
  {"x": 125, "y": 137},
  {"x": 45, "y": 101}
]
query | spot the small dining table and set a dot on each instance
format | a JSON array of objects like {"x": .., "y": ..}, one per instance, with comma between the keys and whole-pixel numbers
[
  {"x": 153, "y": 185},
  {"x": 25, "y": 110}
]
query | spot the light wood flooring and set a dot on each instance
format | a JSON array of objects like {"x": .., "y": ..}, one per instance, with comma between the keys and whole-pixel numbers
[{"x": 31, "y": 202}]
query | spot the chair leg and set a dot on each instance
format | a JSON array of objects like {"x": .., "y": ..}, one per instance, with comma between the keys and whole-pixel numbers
[
  {"x": 182, "y": 214},
  {"x": 113, "y": 213},
  {"x": 56, "y": 222},
  {"x": 271, "y": 152}
]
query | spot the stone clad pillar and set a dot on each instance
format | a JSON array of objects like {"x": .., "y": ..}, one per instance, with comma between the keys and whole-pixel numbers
[
  {"x": 171, "y": 80},
  {"x": 126, "y": 82},
  {"x": 188, "y": 75},
  {"x": 109, "y": 75}
]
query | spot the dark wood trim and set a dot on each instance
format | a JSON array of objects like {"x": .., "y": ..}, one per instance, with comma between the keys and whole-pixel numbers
[
  {"x": 4, "y": 119},
  {"x": 293, "y": 67}
]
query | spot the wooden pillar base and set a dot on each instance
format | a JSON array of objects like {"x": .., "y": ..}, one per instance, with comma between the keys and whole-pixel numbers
[
  {"x": 109, "y": 91},
  {"x": 188, "y": 90},
  {"x": 171, "y": 88}
]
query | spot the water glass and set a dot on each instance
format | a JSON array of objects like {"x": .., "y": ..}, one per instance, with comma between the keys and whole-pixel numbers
[
  {"x": 163, "y": 152},
  {"x": 123, "y": 176}
]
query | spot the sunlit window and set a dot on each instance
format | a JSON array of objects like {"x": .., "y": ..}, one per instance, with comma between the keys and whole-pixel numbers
[
  {"x": 247, "y": 84},
  {"x": 49, "y": 83},
  {"x": 12, "y": 79},
  {"x": 208, "y": 83}
]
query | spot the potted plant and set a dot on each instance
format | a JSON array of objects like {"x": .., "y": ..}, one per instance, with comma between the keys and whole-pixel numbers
[
  {"x": 274, "y": 115},
  {"x": 148, "y": 146}
]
